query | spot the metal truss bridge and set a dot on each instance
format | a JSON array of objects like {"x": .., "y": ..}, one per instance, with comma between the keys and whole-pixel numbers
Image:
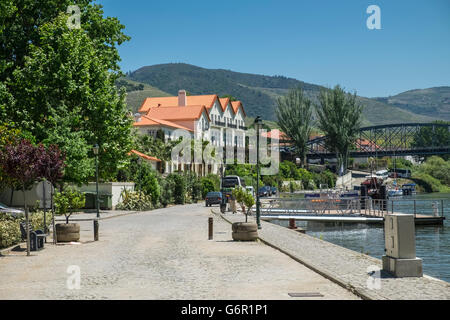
[{"x": 413, "y": 139}]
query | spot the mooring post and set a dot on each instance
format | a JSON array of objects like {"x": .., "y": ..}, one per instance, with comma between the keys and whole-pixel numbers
[
  {"x": 95, "y": 229},
  {"x": 210, "y": 228},
  {"x": 292, "y": 224}
]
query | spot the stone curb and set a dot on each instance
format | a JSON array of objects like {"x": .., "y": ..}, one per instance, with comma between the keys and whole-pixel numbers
[
  {"x": 101, "y": 218},
  {"x": 9, "y": 249},
  {"x": 360, "y": 293}
]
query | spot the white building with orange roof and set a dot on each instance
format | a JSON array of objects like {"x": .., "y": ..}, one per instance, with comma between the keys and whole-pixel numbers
[{"x": 206, "y": 117}]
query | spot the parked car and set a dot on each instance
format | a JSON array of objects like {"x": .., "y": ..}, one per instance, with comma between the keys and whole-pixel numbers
[
  {"x": 265, "y": 191},
  {"x": 16, "y": 213},
  {"x": 274, "y": 190},
  {"x": 262, "y": 192},
  {"x": 213, "y": 198}
]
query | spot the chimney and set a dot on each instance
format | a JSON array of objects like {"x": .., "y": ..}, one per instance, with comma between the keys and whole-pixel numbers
[{"x": 182, "y": 101}]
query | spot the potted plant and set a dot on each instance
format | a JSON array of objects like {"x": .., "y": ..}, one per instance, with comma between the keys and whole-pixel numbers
[
  {"x": 66, "y": 202},
  {"x": 244, "y": 231}
]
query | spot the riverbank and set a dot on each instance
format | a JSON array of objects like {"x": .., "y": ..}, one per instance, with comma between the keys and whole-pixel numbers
[{"x": 348, "y": 268}]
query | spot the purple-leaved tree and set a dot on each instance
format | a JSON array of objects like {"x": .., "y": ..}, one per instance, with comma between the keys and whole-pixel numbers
[{"x": 20, "y": 163}]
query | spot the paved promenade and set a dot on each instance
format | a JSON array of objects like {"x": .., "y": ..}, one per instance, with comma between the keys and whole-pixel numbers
[
  {"x": 347, "y": 267},
  {"x": 161, "y": 254}
]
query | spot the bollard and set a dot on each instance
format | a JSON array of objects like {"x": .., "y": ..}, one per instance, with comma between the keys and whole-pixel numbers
[
  {"x": 210, "y": 228},
  {"x": 292, "y": 224},
  {"x": 95, "y": 229}
]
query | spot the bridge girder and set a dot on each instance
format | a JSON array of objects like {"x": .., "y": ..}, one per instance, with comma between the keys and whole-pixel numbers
[{"x": 389, "y": 140}]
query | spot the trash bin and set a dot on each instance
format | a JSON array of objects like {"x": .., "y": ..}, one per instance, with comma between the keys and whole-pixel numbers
[
  {"x": 90, "y": 201},
  {"x": 105, "y": 201}
]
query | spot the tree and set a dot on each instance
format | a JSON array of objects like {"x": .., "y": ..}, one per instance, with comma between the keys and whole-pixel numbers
[
  {"x": 245, "y": 199},
  {"x": 67, "y": 201},
  {"x": 20, "y": 162},
  {"x": 428, "y": 137},
  {"x": 339, "y": 117},
  {"x": 61, "y": 82},
  {"x": 21, "y": 21},
  {"x": 294, "y": 114}
]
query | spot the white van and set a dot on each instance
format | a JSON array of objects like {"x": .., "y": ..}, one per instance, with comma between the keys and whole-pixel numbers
[{"x": 250, "y": 190}]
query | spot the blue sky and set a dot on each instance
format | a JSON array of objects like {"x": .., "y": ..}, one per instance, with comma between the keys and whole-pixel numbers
[{"x": 321, "y": 42}]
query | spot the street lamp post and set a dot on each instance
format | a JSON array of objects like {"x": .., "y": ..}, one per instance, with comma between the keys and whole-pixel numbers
[
  {"x": 258, "y": 123},
  {"x": 95, "y": 149}
]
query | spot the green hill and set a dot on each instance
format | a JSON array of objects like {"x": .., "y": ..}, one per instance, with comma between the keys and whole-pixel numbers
[
  {"x": 433, "y": 102},
  {"x": 258, "y": 93},
  {"x": 137, "y": 92}
]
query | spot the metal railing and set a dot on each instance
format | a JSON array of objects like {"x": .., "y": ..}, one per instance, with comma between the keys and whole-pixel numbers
[{"x": 365, "y": 206}]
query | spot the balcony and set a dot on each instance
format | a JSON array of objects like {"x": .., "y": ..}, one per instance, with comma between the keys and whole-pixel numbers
[
  {"x": 243, "y": 127},
  {"x": 230, "y": 125},
  {"x": 219, "y": 123}
]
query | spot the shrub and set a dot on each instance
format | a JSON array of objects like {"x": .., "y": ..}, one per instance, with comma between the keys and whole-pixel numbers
[
  {"x": 193, "y": 187},
  {"x": 135, "y": 201},
  {"x": 179, "y": 187},
  {"x": 325, "y": 177},
  {"x": 37, "y": 219},
  {"x": 167, "y": 187},
  {"x": 306, "y": 178},
  {"x": 437, "y": 168},
  {"x": 150, "y": 185},
  {"x": 9, "y": 232},
  {"x": 429, "y": 183},
  {"x": 216, "y": 179},
  {"x": 207, "y": 186}
]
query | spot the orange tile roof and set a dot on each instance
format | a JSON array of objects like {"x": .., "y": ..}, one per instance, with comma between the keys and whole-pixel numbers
[
  {"x": 143, "y": 155},
  {"x": 281, "y": 134},
  {"x": 202, "y": 100},
  {"x": 236, "y": 105},
  {"x": 224, "y": 103},
  {"x": 149, "y": 121},
  {"x": 177, "y": 113}
]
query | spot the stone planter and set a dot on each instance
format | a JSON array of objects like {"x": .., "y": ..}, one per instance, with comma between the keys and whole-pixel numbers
[
  {"x": 67, "y": 232},
  {"x": 244, "y": 231}
]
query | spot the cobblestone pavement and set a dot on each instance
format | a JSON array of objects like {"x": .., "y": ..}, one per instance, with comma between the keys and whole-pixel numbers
[
  {"x": 349, "y": 268},
  {"x": 161, "y": 254}
]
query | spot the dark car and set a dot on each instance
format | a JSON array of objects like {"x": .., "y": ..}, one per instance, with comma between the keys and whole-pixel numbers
[
  {"x": 274, "y": 190},
  {"x": 264, "y": 191},
  {"x": 213, "y": 198},
  {"x": 16, "y": 213}
]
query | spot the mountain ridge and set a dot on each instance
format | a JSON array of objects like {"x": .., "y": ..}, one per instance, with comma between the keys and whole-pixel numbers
[{"x": 259, "y": 93}]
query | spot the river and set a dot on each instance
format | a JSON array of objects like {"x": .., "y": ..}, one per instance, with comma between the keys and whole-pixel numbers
[{"x": 432, "y": 242}]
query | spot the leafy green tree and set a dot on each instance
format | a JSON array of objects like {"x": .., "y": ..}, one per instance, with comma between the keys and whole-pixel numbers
[
  {"x": 288, "y": 170},
  {"x": 21, "y": 21},
  {"x": 64, "y": 83},
  {"x": 67, "y": 201},
  {"x": 339, "y": 117},
  {"x": 61, "y": 82},
  {"x": 429, "y": 137},
  {"x": 294, "y": 114}
]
